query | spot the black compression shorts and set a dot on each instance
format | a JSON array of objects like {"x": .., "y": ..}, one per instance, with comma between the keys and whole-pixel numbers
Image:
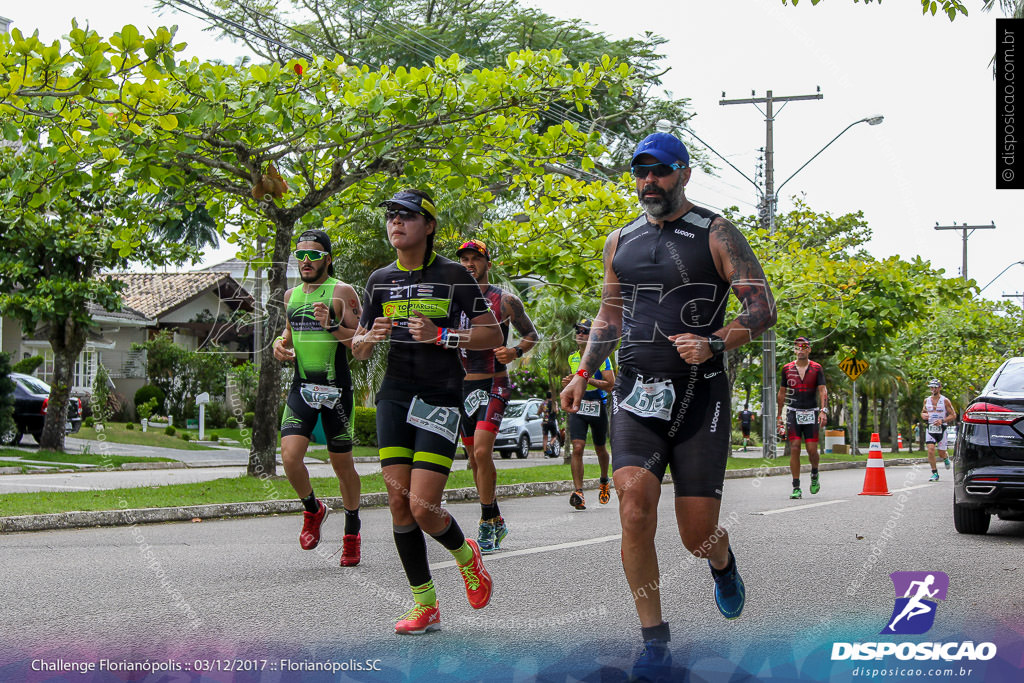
[
  {"x": 693, "y": 443},
  {"x": 795, "y": 432},
  {"x": 598, "y": 425},
  {"x": 489, "y": 414},
  {"x": 401, "y": 443},
  {"x": 299, "y": 419}
]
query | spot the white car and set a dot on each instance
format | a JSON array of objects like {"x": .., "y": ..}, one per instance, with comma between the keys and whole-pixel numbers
[{"x": 521, "y": 428}]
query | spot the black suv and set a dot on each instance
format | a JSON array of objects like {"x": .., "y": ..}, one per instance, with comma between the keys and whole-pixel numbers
[
  {"x": 989, "y": 458},
  {"x": 31, "y": 398}
]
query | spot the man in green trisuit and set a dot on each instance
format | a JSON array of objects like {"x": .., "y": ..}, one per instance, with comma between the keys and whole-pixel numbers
[{"x": 322, "y": 315}]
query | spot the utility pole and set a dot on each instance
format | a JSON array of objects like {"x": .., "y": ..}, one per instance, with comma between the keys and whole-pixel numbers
[
  {"x": 964, "y": 228},
  {"x": 768, "y": 393}
]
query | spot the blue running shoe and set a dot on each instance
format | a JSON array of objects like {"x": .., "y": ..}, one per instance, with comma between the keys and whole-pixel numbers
[
  {"x": 500, "y": 532},
  {"x": 654, "y": 664},
  {"x": 730, "y": 593},
  {"x": 485, "y": 537}
]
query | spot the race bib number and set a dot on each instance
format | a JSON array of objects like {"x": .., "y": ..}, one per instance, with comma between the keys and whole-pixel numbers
[
  {"x": 590, "y": 408},
  {"x": 317, "y": 396},
  {"x": 437, "y": 419},
  {"x": 936, "y": 430},
  {"x": 474, "y": 401},
  {"x": 804, "y": 417},
  {"x": 651, "y": 399}
]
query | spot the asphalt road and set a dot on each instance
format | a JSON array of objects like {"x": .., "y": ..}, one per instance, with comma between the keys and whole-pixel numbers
[{"x": 561, "y": 608}]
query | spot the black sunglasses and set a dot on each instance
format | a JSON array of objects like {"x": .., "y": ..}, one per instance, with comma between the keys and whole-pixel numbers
[
  {"x": 582, "y": 330},
  {"x": 404, "y": 214},
  {"x": 659, "y": 170}
]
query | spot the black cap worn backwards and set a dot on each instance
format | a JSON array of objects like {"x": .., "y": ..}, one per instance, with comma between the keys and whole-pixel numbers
[{"x": 321, "y": 238}]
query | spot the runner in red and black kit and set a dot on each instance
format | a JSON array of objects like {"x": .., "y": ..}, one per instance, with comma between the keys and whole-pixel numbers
[
  {"x": 801, "y": 388},
  {"x": 417, "y": 302},
  {"x": 667, "y": 277},
  {"x": 486, "y": 390}
]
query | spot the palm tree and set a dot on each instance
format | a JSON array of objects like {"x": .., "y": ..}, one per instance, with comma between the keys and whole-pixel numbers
[{"x": 195, "y": 227}]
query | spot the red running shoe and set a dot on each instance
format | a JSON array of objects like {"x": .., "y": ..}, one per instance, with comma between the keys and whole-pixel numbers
[
  {"x": 419, "y": 620},
  {"x": 350, "y": 545},
  {"x": 478, "y": 581},
  {"x": 309, "y": 538}
]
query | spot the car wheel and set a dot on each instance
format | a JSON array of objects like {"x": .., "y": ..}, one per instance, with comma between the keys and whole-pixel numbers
[
  {"x": 12, "y": 437},
  {"x": 970, "y": 520},
  {"x": 505, "y": 455},
  {"x": 523, "y": 449}
]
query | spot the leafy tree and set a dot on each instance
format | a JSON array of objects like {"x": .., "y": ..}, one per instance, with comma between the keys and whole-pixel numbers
[
  {"x": 951, "y": 8},
  {"x": 183, "y": 374}
]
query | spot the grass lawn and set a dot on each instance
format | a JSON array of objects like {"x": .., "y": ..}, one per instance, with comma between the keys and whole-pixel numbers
[
  {"x": 117, "y": 433},
  {"x": 11, "y": 457},
  {"x": 236, "y": 490}
]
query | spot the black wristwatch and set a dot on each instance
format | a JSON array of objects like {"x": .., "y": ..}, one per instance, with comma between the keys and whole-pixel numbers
[
  {"x": 519, "y": 352},
  {"x": 334, "y": 328},
  {"x": 717, "y": 345}
]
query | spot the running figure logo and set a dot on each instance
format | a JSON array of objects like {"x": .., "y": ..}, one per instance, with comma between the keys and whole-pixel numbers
[{"x": 916, "y": 595}]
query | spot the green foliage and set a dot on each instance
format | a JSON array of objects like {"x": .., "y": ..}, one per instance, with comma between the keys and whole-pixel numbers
[
  {"x": 89, "y": 421},
  {"x": 243, "y": 380},
  {"x": 364, "y": 425},
  {"x": 169, "y": 430},
  {"x": 148, "y": 392},
  {"x": 248, "y": 418},
  {"x": 214, "y": 437},
  {"x": 27, "y": 366},
  {"x": 6, "y": 395},
  {"x": 130, "y": 426},
  {"x": 951, "y": 8},
  {"x": 183, "y": 374},
  {"x": 185, "y": 436},
  {"x": 527, "y": 382},
  {"x": 103, "y": 401},
  {"x": 144, "y": 410},
  {"x": 217, "y": 414}
]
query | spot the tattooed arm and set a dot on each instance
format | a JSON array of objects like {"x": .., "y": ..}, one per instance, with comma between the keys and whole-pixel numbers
[
  {"x": 512, "y": 311},
  {"x": 606, "y": 330},
  {"x": 737, "y": 265},
  {"x": 347, "y": 309}
]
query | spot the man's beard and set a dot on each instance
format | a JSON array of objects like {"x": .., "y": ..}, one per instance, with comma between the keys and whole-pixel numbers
[
  {"x": 317, "y": 273},
  {"x": 667, "y": 203}
]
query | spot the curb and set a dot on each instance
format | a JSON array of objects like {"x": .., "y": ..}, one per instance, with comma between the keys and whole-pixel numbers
[{"x": 131, "y": 517}]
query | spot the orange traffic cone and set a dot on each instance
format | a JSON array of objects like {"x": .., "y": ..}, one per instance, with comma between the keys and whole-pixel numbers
[
  {"x": 874, "y": 476},
  {"x": 899, "y": 441}
]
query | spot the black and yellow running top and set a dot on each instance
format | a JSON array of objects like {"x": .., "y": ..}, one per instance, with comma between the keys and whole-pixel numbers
[
  {"x": 442, "y": 291},
  {"x": 319, "y": 357}
]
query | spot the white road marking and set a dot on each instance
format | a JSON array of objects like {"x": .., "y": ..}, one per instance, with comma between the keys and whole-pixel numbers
[
  {"x": 501, "y": 555},
  {"x": 911, "y": 488},
  {"x": 800, "y": 507}
]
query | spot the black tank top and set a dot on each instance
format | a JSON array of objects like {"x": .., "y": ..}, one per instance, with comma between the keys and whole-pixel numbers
[{"x": 669, "y": 286}]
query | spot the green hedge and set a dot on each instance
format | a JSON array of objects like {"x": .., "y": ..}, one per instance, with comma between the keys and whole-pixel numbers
[
  {"x": 364, "y": 424},
  {"x": 147, "y": 392}
]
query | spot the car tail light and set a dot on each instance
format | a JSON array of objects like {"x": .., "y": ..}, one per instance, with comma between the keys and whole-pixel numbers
[
  {"x": 45, "y": 402},
  {"x": 79, "y": 405},
  {"x": 985, "y": 479},
  {"x": 992, "y": 414}
]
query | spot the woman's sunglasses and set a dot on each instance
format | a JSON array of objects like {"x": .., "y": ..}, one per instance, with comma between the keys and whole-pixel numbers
[{"x": 404, "y": 214}]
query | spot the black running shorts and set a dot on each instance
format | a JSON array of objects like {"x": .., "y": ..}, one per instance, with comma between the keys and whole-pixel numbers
[
  {"x": 299, "y": 419},
  {"x": 401, "y": 443},
  {"x": 598, "y": 426},
  {"x": 693, "y": 443}
]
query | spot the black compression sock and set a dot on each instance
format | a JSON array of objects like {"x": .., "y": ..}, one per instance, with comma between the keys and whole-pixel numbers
[
  {"x": 452, "y": 537},
  {"x": 796, "y": 483},
  {"x": 412, "y": 551},
  {"x": 659, "y": 632},
  {"x": 310, "y": 502},
  {"x": 352, "y": 523},
  {"x": 489, "y": 510}
]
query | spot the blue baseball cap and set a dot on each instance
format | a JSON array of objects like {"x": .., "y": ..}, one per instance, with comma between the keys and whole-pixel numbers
[{"x": 665, "y": 147}]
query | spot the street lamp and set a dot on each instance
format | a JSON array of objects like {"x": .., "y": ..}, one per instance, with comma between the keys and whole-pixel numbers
[
  {"x": 1000, "y": 275},
  {"x": 768, "y": 395}
]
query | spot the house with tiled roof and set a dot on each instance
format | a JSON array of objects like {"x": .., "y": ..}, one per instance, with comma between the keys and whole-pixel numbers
[{"x": 200, "y": 309}]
